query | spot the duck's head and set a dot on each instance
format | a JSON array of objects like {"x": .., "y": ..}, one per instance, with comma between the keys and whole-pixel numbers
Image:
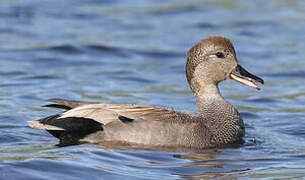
[{"x": 213, "y": 60}]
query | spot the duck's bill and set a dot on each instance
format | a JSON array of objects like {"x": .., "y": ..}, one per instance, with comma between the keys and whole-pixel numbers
[{"x": 241, "y": 75}]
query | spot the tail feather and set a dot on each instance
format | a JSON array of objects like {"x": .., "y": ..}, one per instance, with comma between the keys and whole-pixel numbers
[
  {"x": 39, "y": 125},
  {"x": 68, "y": 130}
]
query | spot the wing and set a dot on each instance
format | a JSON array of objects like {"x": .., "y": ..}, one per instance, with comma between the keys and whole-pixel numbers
[
  {"x": 83, "y": 118},
  {"x": 106, "y": 113}
]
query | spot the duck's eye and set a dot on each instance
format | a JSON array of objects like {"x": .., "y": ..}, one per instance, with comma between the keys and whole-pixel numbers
[{"x": 220, "y": 55}]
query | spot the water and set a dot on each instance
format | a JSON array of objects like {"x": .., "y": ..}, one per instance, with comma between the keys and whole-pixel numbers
[{"x": 127, "y": 52}]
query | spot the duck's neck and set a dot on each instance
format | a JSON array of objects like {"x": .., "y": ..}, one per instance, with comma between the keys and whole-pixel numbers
[
  {"x": 221, "y": 118},
  {"x": 207, "y": 96}
]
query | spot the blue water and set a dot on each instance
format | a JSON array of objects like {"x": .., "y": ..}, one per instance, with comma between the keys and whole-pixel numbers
[{"x": 135, "y": 52}]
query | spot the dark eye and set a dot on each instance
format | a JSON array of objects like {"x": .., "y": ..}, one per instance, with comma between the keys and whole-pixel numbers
[{"x": 220, "y": 55}]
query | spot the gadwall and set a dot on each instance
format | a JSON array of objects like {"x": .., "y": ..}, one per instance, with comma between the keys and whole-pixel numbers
[{"x": 216, "y": 124}]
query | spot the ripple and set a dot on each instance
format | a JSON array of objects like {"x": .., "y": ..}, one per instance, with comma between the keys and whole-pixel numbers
[
  {"x": 295, "y": 130},
  {"x": 204, "y": 25},
  {"x": 157, "y": 54},
  {"x": 249, "y": 115},
  {"x": 175, "y": 9},
  {"x": 41, "y": 77},
  {"x": 297, "y": 74},
  {"x": 250, "y": 24},
  {"x": 262, "y": 100},
  {"x": 69, "y": 49},
  {"x": 12, "y": 73},
  {"x": 135, "y": 79},
  {"x": 102, "y": 48},
  {"x": 16, "y": 84},
  {"x": 249, "y": 34}
]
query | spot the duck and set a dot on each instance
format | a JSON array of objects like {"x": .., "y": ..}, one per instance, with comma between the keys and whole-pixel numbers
[{"x": 216, "y": 123}]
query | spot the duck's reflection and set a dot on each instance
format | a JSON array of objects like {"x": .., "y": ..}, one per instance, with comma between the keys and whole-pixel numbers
[{"x": 191, "y": 163}]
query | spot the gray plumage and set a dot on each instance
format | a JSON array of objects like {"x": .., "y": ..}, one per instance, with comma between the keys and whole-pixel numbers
[{"x": 216, "y": 124}]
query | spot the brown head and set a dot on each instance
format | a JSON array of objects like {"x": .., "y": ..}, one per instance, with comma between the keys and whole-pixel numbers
[{"x": 213, "y": 60}]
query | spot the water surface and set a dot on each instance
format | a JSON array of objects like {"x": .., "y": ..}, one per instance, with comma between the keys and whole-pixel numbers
[{"x": 127, "y": 52}]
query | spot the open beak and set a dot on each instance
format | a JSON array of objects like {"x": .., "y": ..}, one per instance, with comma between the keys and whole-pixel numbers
[{"x": 241, "y": 75}]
